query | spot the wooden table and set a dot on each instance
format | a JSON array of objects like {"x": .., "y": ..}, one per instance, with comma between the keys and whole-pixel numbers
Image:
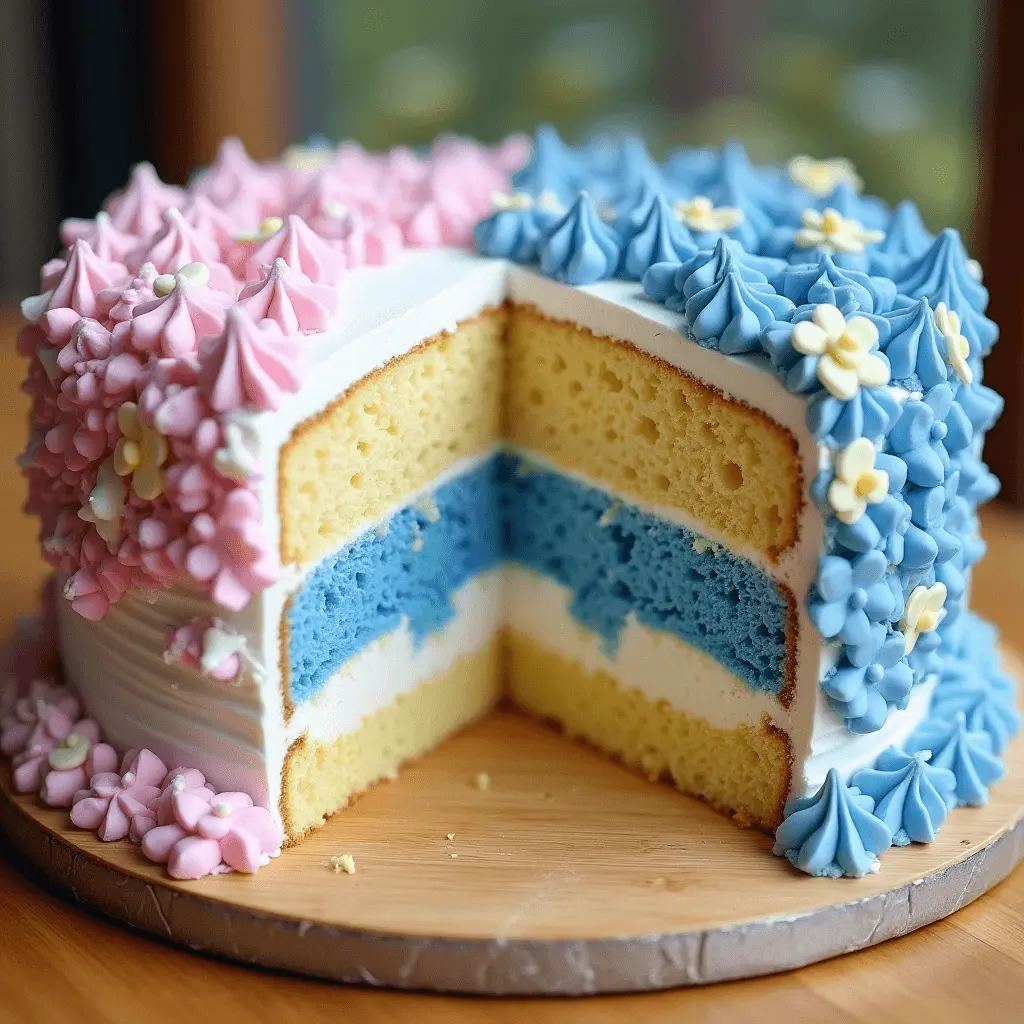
[{"x": 59, "y": 962}]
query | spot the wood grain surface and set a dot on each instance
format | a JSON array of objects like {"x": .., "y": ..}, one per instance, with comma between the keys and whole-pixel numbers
[{"x": 61, "y": 962}]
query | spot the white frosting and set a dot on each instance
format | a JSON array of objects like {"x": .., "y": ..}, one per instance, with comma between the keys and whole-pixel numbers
[
  {"x": 661, "y": 666},
  {"x": 239, "y": 734},
  {"x": 394, "y": 664}
]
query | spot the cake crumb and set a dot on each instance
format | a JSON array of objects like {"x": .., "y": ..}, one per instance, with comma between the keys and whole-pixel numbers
[
  {"x": 346, "y": 862},
  {"x": 483, "y": 782},
  {"x": 702, "y": 546},
  {"x": 453, "y": 855},
  {"x": 451, "y": 836},
  {"x": 609, "y": 515},
  {"x": 429, "y": 508}
]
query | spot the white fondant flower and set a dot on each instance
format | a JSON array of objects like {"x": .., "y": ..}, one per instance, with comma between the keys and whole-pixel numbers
[
  {"x": 307, "y": 158},
  {"x": 194, "y": 275},
  {"x": 140, "y": 453},
  {"x": 857, "y": 482},
  {"x": 820, "y": 177},
  {"x": 105, "y": 503},
  {"x": 957, "y": 346},
  {"x": 546, "y": 201},
  {"x": 235, "y": 460},
  {"x": 843, "y": 347},
  {"x": 700, "y": 214},
  {"x": 268, "y": 227},
  {"x": 923, "y": 612},
  {"x": 831, "y": 231}
]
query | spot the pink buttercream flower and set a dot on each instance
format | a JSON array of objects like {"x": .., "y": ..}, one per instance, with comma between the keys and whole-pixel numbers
[
  {"x": 118, "y": 302},
  {"x": 73, "y": 762},
  {"x": 45, "y": 701},
  {"x": 106, "y": 240},
  {"x": 207, "y": 837},
  {"x": 371, "y": 241},
  {"x": 248, "y": 365},
  {"x": 161, "y": 812},
  {"x": 171, "y": 324},
  {"x": 289, "y": 299},
  {"x": 230, "y": 552},
  {"x": 217, "y": 222},
  {"x": 113, "y": 799},
  {"x": 234, "y": 178},
  {"x": 137, "y": 208},
  {"x": 302, "y": 249},
  {"x": 205, "y": 645},
  {"x": 177, "y": 244},
  {"x": 74, "y": 294}
]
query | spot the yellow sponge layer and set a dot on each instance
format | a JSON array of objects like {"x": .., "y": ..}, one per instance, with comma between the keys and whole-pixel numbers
[
  {"x": 646, "y": 429},
  {"x": 321, "y": 778},
  {"x": 389, "y": 435},
  {"x": 744, "y": 772}
]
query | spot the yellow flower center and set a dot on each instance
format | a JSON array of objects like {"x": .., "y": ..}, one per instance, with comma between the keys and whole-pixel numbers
[
  {"x": 131, "y": 453},
  {"x": 832, "y": 222}
]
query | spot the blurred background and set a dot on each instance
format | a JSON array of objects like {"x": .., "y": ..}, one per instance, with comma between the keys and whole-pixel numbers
[{"x": 913, "y": 91}]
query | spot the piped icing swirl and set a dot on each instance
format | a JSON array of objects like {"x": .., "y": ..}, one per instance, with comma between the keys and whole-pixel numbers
[{"x": 289, "y": 299}]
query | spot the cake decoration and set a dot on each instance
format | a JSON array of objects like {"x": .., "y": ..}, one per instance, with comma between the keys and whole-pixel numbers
[
  {"x": 857, "y": 482},
  {"x": 911, "y": 796},
  {"x": 834, "y": 832},
  {"x": 580, "y": 248},
  {"x": 906, "y": 237},
  {"x": 208, "y": 646},
  {"x": 289, "y": 299},
  {"x": 968, "y": 754},
  {"x": 248, "y": 365},
  {"x": 138, "y": 209},
  {"x": 178, "y": 244},
  {"x": 829, "y": 231},
  {"x": 302, "y": 249},
  {"x": 820, "y": 177}
]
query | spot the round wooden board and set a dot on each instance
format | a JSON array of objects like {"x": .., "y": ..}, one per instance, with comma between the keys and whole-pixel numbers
[{"x": 569, "y": 875}]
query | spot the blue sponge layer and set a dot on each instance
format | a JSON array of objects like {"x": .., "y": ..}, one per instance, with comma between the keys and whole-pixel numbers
[
  {"x": 617, "y": 559},
  {"x": 412, "y": 568},
  {"x": 614, "y": 558}
]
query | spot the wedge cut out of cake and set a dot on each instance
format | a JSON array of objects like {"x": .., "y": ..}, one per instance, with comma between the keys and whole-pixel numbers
[{"x": 682, "y": 456}]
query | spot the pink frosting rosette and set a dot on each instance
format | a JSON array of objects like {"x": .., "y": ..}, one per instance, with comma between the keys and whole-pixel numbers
[
  {"x": 112, "y": 800},
  {"x": 212, "y": 835}
]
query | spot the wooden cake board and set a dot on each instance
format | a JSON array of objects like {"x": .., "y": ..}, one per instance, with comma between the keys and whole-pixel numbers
[{"x": 566, "y": 875}]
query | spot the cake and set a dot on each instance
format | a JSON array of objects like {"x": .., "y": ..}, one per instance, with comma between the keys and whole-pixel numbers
[{"x": 334, "y": 453}]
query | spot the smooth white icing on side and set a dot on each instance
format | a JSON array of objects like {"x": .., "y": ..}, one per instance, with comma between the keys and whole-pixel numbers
[
  {"x": 661, "y": 666},
  {"x": 834, "y": 746},
  {"x": 139, "y": 700},
  {"x": 395, "y": 664}
]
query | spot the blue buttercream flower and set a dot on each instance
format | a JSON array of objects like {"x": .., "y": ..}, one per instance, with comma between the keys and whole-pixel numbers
[
  {"x": 976, "y": 484},
  {"x": 516, "y": 227},
  {"x": 725, "y": 303},
  {"x": 738, "y": 184},
  {"x": 915, "y": 348},
  {"x": 911, "y": 796},
  {"x": 632, "y": 182},
  {"x": 552, "y": 167},
  {"x": 824, "y": 281},
  {"x": 580, "y": 248},
  {"x": 863, "y": 695},
  {"x": 966, "y": 753},
  {"x": 852, "y": 602},
  {"x": 981, "y": 404},
  {"x": 985, "y": 697},
  {"x": 905, "y": 238},
  {"x": 652, "y": 235},
  {"x": 942, "y": 274},
  {"x": 833, "y": 833}
]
